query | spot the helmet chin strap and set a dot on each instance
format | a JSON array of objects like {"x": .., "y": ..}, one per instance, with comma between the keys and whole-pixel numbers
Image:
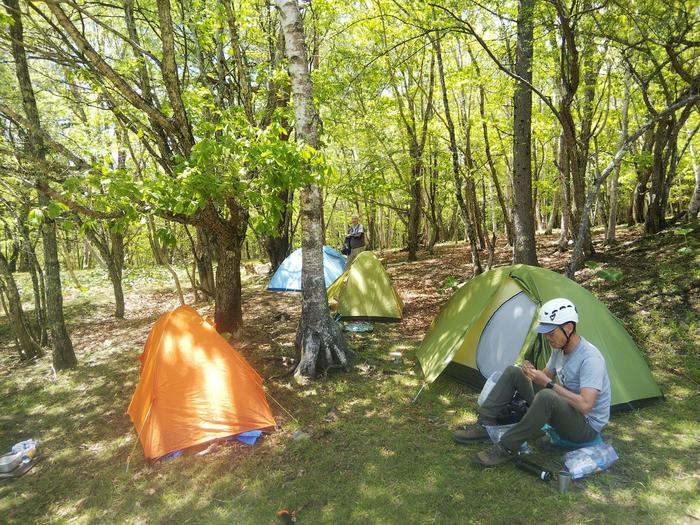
[{"x": 568, "y": 336}]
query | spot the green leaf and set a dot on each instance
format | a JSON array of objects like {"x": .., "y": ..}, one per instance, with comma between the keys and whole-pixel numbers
[
  {"x": 67, "y": 225},
  {"x": 612, "y": 275},
  {"x": 166, "y": 237},
  {"x": 54, "y": 209},
  {"x": 686, "y": 250},
  {"x": 35, "y": 216}
]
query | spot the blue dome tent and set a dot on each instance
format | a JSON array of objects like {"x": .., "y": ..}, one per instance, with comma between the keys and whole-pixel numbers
[{"x": 287, "y": 278}]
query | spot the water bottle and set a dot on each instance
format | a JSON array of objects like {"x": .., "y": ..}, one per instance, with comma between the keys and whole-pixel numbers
[{"x": 534, "y": 469}]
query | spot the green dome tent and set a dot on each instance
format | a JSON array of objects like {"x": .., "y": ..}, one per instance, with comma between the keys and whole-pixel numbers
[
  {"x": 489, "y": 323},
  {"x": 364, "y": 292}
]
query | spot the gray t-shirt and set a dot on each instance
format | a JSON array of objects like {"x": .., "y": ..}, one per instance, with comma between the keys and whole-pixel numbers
[{"x": 585, "y": 368}]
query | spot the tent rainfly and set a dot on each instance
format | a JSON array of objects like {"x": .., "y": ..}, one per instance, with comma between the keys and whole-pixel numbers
[
  {"x": 287, "y": 278},
  {"x": 489, "y": 323},
  {"x": 364, "y": 292},
  {"x": 194, "y": 387}
]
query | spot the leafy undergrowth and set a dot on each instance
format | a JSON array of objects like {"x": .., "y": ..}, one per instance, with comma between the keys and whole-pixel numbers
[{"x": 372, "y": 456}]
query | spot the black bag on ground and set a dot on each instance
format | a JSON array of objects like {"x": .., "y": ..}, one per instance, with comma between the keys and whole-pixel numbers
[{"x": 513, "y": 412}]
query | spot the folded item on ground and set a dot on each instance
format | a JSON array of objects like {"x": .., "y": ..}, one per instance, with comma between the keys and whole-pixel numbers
[
  {"x": 28, "y": 447},
  {"x": 21, "y": 452},
  {"x": 22, "y": 469},
  {"x": 10, "y": 462},
  {"x": 589, "y": 460},
  {"x": 250, "y": 437},
  {"x": 247, "y": 438},
  {"x": 19, "y": 460},
  {"x": 558, "y": 441},
  {"x": 358, "y": 326}
]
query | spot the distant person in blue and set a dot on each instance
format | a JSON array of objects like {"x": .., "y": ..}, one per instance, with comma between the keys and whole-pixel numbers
[
  {"x": 577, "y": 408},
  {"x": 355, "y": 239}
]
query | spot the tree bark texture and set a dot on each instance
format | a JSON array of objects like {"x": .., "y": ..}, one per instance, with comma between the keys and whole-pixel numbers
[
  {"x": 319, "y": 341},
  {"x": 524, "y": 247},
  {"x": 228, "y": 238},
  {"x": 413, "y": 117},
  {"x": 114, "y": 260},
  {"x": 28, "y": 347},
  {"x": 507, "y": 219},
  {"x": 454, "y": 156},
  {"x": 204, "y": 257},
  {"x": 61, "y": 345},
  {"x": 613, "y": 198},
  {"x": 664, "y": 170},
  {"x": 689, "y": 97},
  {"x": 694, "y": 204}
]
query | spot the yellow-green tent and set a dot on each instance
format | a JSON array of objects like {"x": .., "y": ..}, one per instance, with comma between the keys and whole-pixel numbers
[
  {"x": 488, "y": 324},
  {"x": 364, "y": 292}
]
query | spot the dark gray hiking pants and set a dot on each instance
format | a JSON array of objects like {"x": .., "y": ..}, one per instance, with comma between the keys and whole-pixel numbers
[{"x": 544, "y": 407}]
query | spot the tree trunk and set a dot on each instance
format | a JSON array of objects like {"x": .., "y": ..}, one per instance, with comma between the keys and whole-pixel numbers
[
  {"x": 170, "y": 77},
  {"x": 278, "y": 245},
  {"x": 454, "y": 151},
  {"x": 319, "y": 341},
  {"x": 612, "y": 216},
  {"x": 114, "y": 262},
  {"x": 61, "y": 345},
  {"x": 489, "y": 158},
  {"x": 524, "y": 247},
  {"x": 687, "y": 99},
  {"x": 431, "y": 191},
  {"x": 414, "y": 210},
  {"x": 565, "y": 194},
  {"x": 228, "y": 311},
  {"x": 654, "y": 221},
  {"x": 228, "y": 238},
  {"x": 694, "y": 205},
  {"x": 643, "y": 169},
  {"x": 554, "y": 214},
  {"x": 28, "y": 347},
  {"x": 204, "y": 258},
  {"x": 36, "y": 275},
  {"x": 662, "y": 181}
]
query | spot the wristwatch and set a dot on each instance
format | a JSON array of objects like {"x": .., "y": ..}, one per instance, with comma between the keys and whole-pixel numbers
[{"x": 549, "y": 385}]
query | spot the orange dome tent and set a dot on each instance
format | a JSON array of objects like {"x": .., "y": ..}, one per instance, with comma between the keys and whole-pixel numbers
[{"x": 194, "y": 387}]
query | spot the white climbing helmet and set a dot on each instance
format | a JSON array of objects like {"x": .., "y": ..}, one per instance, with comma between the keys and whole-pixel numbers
[{"x": 555, "y": 313}]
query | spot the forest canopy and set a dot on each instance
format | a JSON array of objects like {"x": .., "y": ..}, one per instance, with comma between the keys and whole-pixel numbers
[{"x": 147, "y": 132}]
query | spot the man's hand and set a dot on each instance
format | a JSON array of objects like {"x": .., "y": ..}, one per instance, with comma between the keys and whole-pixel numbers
[{"x": 536, "y": 376}]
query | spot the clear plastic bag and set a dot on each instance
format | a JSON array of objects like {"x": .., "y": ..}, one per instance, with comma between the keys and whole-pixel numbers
[
  {"x": 488, "y": 386},
  {"x": 589, "y": 460},
  {"x": 496, "y": 433}
]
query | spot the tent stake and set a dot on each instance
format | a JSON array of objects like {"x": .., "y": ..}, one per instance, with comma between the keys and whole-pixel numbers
[{"x": 421, "y": 389}]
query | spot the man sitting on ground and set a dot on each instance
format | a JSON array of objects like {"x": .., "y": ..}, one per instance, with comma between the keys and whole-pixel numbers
[{"x": 577, "y": 409}]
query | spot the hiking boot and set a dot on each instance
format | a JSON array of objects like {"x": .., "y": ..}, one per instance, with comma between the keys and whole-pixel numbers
[
  {"x": 494, "y": 455},
  {"x": 470, "y": 434}
]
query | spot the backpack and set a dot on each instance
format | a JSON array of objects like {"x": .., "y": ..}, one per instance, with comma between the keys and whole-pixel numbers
[{"x": 345, "y": 250}]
